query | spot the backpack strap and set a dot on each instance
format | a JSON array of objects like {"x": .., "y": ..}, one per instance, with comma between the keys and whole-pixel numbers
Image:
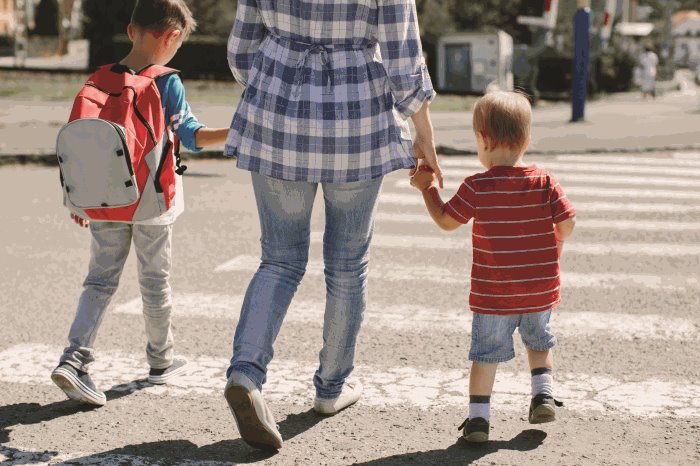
[{"x": 156, "y": 72}]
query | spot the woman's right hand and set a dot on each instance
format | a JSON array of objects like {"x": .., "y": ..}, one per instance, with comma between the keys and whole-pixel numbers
[
  {"x": 424, "y": 151},
  {"x": 423, "y": 144}
]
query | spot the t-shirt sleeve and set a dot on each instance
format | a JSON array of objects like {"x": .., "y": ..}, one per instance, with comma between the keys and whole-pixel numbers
[
  {"x": 562, "y": 208},
  {"x": 178, "y": 115},
  {"x": 462, "y": 206}
]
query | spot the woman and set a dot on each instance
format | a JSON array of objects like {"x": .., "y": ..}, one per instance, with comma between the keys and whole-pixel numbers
[{"x": 319, "y": 107}]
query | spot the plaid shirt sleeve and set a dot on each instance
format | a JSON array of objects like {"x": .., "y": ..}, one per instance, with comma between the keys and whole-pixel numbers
[
  {"x": 246, "y": 35},
  {"x": 399, "y": 42}
]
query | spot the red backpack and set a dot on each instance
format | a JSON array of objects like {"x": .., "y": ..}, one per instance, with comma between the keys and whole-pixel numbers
[{"x": 117, "y": 159}]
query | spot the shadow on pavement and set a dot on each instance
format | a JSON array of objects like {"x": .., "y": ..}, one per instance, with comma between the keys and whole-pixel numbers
[
  {"x": 34, "y": 413},
  {"x": 234, "y": 451},
  {"x": 462, "y": 453}
]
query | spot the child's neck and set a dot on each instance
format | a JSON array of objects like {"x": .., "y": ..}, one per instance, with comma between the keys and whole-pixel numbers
[
  {"x": 138, "y": 59},
  {"x": 504, "y": 157}
]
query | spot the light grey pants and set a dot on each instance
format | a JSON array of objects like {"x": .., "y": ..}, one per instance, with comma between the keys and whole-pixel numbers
[{"x": 111, "y": 242}]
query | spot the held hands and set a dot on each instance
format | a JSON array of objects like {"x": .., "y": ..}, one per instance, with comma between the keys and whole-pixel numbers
[
  {"x": 424, "y": 151},
  {"x": 423, "y": 177},
  {"x": 80, "y": 221}
]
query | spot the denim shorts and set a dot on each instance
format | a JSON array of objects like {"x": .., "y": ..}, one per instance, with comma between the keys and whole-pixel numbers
[{"x": 492, "y": 335}]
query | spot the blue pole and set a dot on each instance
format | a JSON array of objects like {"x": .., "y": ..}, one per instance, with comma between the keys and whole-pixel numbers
[{"x": 582, "y": 52}]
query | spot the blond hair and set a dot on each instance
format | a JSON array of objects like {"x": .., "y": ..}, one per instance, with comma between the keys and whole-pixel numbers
[
  {"x": 505, "y": 118},
  {"x": 161, "y": 15}
]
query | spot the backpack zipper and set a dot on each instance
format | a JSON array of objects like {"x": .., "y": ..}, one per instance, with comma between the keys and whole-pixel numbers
[{"x": 136, "y": 109}]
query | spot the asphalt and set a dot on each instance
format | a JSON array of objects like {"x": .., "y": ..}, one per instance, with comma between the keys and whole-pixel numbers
[{"x": 613, "y": 123}]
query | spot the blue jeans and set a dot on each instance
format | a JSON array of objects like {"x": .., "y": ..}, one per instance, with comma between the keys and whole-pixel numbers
[{"x": 284, "y": 208}]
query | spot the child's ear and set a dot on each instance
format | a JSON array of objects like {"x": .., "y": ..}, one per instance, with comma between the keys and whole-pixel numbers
[
  {"x": 174, "y": 34},
  {"x": 485, "y": 140},
  {"x": 131, "y": 32}
]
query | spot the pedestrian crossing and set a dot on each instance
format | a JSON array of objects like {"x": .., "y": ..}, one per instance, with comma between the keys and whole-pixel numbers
[
  {"x": 656, "y": 194},
  {"x": 290, "y": 381}
]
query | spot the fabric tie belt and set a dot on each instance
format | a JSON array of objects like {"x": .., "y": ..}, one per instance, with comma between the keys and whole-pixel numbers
[{"x": 323, "y": 50}]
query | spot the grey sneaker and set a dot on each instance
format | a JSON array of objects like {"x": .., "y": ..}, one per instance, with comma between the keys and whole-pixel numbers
[
  {"x": 254, "y": 419},
  {"x": 77, "y": 385},
  {"x": 352, "y": 391},
  {"x": 162, "y": 376}
]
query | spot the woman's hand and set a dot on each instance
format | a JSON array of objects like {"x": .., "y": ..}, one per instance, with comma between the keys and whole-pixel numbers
[
  {"x": 423, "y": 144},
  {"x": 424, "y": 151}
]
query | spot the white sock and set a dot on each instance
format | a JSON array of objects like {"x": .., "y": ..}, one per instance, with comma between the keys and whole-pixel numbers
[
  {"x": 480, "y": 406},
  {"x": 542, "y": 381}
]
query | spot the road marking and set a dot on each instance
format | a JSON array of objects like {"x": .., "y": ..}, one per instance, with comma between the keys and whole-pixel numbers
[
  {"x": 414, "y": 199},
  {"x": 687, "y": 155},
  {"x": 572, "y": 191},
  {"x": 607, "y": 178},
  {"x": 441, "y": 242},
  {"x": 411, "y": 317},
  {"x": 629, "y": 159},
  {"x": 444, "y": 276},
  {"x": 586, "y": 223},
  {"x": 472, "y": 166},
  {"x": 290, "y": 382}
]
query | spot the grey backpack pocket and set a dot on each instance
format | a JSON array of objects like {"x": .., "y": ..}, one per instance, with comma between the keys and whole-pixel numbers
[{"x": 95, "y": 164}]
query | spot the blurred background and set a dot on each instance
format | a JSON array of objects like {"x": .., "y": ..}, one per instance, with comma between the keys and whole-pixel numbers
[{"x": 468, "y": 45}]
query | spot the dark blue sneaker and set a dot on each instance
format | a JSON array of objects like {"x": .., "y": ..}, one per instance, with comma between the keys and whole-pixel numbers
[
  {"x": 162, "y": 376},
  {"x": 475, "y": 430},
  {"x": 77, "y": 385}
]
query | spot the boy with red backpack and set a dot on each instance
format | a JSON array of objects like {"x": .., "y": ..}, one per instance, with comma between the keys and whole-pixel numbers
[{"x": 121, "y": 177}]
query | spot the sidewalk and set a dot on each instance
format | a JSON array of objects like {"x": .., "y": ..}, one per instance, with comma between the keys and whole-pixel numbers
[{"x": 617, "y": 123}]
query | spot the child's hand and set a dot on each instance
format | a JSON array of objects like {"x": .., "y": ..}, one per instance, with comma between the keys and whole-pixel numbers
[
  {"x": 423, "y": 178},
  {"x": 80, "y": 221}
]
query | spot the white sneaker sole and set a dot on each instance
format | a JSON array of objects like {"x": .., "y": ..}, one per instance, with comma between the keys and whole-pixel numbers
[
  {"x": 335, "y": 405},
  {"x": 75, "y": 389}
]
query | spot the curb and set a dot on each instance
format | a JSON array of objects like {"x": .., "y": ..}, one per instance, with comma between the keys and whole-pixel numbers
[{"x": 49, "y": 159}]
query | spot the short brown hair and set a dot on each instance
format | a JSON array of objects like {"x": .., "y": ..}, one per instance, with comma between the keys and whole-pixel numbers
[
  {"x": 505, "y": 117},
  {"x": 160, "y": 15}
]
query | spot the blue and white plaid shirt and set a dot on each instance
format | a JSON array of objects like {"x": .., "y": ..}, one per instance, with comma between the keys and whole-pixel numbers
[{"x": 328, "y": 87}]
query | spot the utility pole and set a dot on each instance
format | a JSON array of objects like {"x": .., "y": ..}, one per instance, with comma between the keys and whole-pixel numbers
[{"x": 582, "y": 54}]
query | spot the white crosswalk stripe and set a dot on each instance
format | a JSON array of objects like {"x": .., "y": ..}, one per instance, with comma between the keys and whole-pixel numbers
[
  {"x": 455, "y": 242},
  {"x": 588, "y": 191},
  {"x": 471, "y": 166},
  {"x": 408, "y": 317},
  {"x": 584, "y": 223},
  {"x": 631, "y": 160},
  {"x": 290, "y": 382},
  {"x": 413, "y": 198},
  {"x": 442, "y": 276}
]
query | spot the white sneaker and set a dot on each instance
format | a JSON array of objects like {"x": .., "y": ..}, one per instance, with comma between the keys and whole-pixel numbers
[
  {"x": 254, "y": 419},
  {"x": 352, "y": 391}
]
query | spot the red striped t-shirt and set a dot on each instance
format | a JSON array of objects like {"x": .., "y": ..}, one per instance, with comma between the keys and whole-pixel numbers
[{"x": 515, "y": 267}]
